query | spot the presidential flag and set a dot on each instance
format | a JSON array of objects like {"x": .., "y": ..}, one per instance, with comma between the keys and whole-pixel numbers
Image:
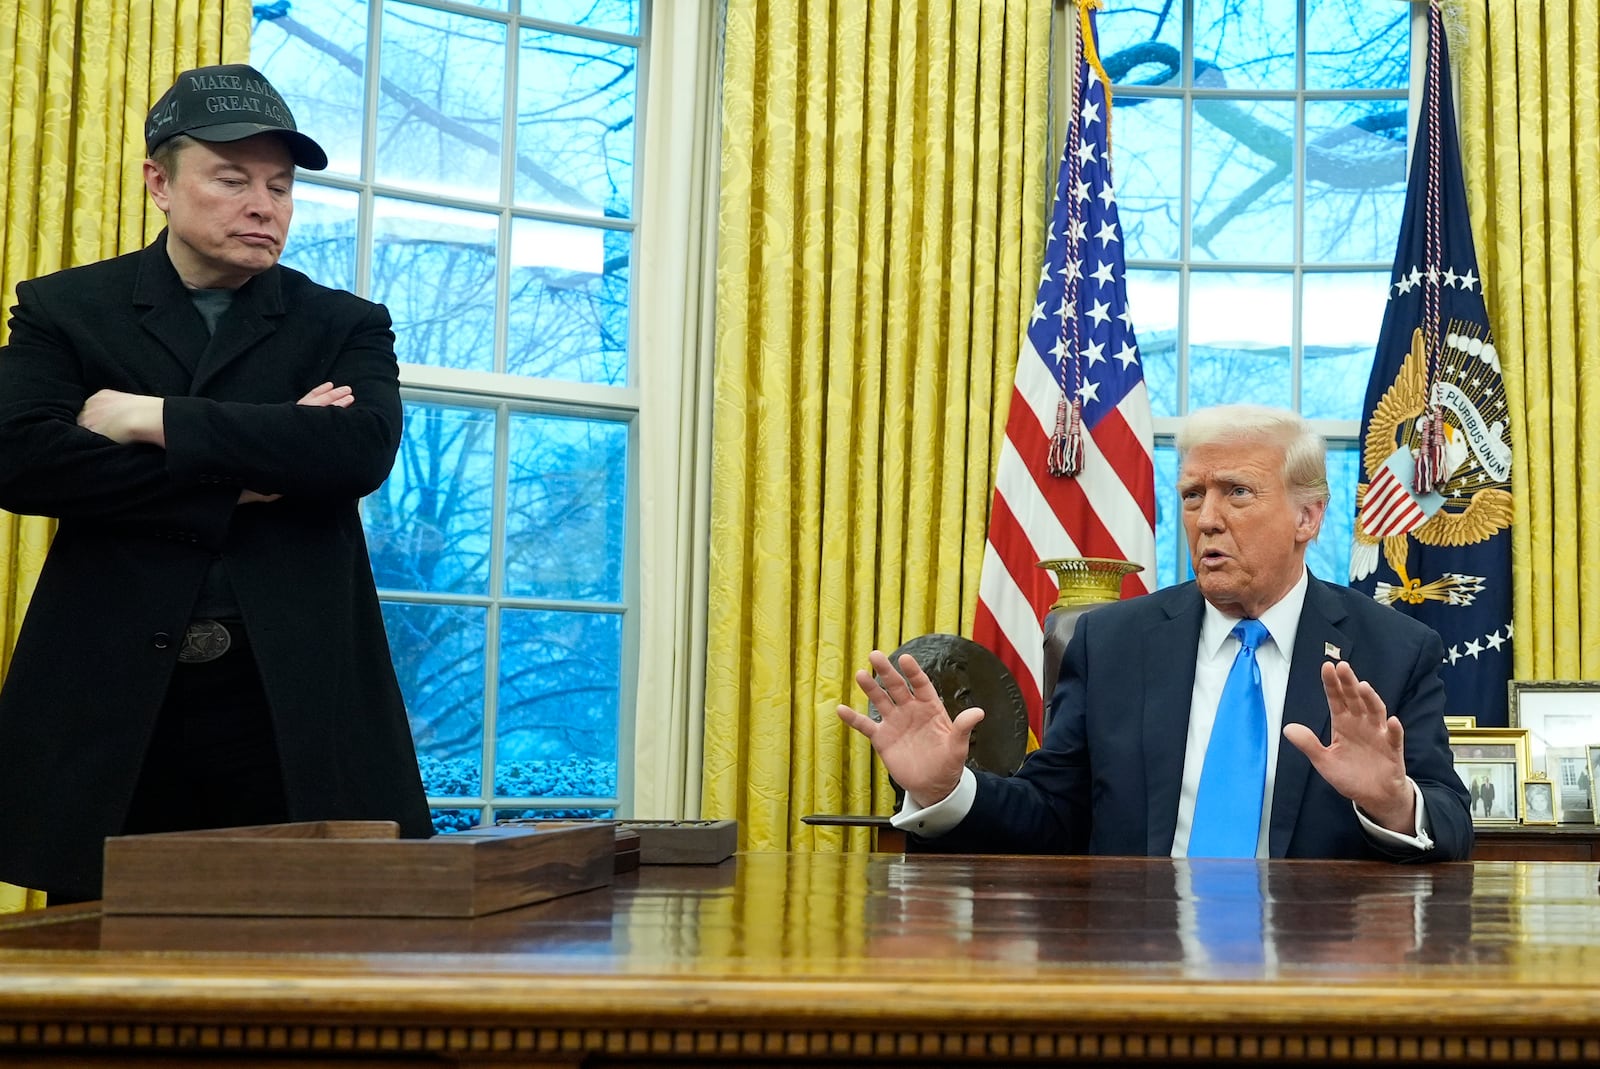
[
  {"x": 1075, "y": 477},
  {"x": 1433, "y": 512}
]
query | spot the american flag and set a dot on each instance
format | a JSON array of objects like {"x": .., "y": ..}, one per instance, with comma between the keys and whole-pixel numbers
[
  {"x": 1438, "y": 547},
  {"x": 1080, "y": 347}
]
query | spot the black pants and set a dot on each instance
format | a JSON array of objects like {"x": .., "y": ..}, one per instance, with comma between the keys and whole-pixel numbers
[{"x": 213, "y": 759}]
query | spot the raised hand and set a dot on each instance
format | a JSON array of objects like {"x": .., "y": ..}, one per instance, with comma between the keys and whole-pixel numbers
[
  {"x": 922, "y": 748},
  {"x": 1365, "y": 758}
]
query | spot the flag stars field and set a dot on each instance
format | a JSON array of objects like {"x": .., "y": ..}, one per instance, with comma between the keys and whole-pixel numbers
[{"x": 1449, "y": 279}]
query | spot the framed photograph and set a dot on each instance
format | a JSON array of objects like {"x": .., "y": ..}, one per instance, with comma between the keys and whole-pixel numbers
[
  {"x": 1567, "y": 768},
  {"x": 1495, "y": 744},
  {"x": 1538, "y": 801},
  {"x": 1594, "y": 775},
  {"x": 1460, "y": 723},
  {"x": 1559, "y": 713},
  {"x": 1493, "y": 785}
]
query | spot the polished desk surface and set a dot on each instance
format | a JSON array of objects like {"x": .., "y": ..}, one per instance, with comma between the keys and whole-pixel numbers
[{"x": 860, "y": 958}]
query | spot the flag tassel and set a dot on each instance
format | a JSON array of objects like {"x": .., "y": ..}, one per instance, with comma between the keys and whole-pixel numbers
[
  {"x": 1066, "y": 445},
  {"x": 1430, "y": 474}
]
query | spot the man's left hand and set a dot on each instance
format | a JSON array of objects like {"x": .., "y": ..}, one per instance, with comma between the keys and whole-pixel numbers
[
  {"x": 125, "y": 417},
  {"x": 1365, "y": 758}
]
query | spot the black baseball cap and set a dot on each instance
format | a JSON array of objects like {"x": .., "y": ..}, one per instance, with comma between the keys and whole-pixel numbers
[{"x": 228, "y": 102}]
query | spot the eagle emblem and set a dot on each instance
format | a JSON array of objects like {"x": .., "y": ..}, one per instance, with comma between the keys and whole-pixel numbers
[{"x": 1475, "y": 502}]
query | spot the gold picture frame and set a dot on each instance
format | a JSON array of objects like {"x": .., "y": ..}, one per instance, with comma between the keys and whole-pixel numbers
[
  {"x": 1538, "y": 801},
  {"x": 1497, "y": 757},
  {"x": 1500, "y": 744},
  {"x": 1460, "y": 723}
]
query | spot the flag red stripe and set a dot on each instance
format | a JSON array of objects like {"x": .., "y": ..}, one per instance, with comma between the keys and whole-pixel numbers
[
  {"x": 1116, "y": 439},
  {"x": 1066, "y": 500},
  {"x": 986, "y": 632},
  {"x": 1021, "y": 559}
]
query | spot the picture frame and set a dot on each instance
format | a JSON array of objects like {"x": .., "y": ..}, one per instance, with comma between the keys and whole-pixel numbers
[
  {"x": 1538, "y": 801},
  {"x": 1567, "y": 768},
  {"x": 1500, "y": 744},
  {"x": 1555, "y": 712},
  {"x": 1460, "y": 723},
  {"x": 1496, "y": 788}
]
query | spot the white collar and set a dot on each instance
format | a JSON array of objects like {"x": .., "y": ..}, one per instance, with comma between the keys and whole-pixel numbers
[{"x": 1282, "y": 621}]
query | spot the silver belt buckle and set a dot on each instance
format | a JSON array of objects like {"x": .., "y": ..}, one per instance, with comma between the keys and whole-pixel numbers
[{"x": 204, "y": 640}]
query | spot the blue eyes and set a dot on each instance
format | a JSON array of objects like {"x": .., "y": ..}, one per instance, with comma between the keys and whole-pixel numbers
[{"x": 1194, "y": 496}]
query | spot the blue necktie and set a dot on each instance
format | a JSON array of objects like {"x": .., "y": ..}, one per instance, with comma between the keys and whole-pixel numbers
[{"x": 1227, "y": 809}]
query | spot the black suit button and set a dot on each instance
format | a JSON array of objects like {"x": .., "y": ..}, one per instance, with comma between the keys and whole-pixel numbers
[{"x": 161, "y": 640}]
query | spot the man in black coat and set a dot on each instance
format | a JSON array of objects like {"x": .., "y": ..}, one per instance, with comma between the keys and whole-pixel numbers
[{"x": 204, "y": 647}]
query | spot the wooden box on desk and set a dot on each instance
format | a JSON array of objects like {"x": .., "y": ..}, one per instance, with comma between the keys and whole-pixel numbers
[
  {"x": 661, "y": 842},
  {"x": 339, "y": 868}
]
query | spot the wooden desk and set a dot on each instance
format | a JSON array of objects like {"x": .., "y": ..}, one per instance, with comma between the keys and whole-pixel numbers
[
  {"x": 852, "y": 959},
  {"x": 1538, "y": 842}
]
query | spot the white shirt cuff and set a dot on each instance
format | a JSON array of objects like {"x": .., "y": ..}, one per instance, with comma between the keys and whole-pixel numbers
[
  {"x": 1420, "y": 841},
  {"x": 938, "y": 818}
]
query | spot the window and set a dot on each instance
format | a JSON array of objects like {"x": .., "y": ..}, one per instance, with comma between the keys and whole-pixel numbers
[
  {"x": 1260, "y": 156},
  {"x": 482, "y": 184}
]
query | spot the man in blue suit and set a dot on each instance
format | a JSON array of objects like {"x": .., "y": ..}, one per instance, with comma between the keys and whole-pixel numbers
[{"x": 1352, "y": 685}]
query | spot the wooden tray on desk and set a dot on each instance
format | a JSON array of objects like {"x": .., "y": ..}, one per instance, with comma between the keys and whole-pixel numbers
[{"x": 337, "y": 868}]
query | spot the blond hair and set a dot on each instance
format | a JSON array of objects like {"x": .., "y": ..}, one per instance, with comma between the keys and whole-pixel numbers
[{"x": 1305, "y": 455}]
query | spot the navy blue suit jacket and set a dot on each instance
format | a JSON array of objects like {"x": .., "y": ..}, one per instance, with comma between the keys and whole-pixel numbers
[{"x": 1107, "y": 778}]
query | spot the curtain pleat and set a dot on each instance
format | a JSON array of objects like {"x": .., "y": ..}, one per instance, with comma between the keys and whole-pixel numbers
[
  {"x": 76, "y": 78},
  {"x": 883, "y": 203},
  {"x": 1530, "y": 123}
]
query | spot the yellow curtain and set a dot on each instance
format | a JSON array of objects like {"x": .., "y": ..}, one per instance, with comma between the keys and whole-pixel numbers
[
  {"x": 884, "y": 189},
  {"x": 1530, "y": 131},
  {"x": 76, "y": 78}
]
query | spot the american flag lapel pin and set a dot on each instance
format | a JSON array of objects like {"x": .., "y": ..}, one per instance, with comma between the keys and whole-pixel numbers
[{"x": 1330, "y": 651}]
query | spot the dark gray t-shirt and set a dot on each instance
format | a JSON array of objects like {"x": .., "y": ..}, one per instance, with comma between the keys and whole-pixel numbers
[{"x": 217, "y": 601}]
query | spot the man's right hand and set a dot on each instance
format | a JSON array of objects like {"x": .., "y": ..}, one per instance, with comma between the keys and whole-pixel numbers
[{"x": 920, "y": 746}]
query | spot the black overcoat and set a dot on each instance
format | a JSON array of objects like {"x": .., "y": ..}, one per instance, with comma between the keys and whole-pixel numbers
[{"x": 139, "y": 526}]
